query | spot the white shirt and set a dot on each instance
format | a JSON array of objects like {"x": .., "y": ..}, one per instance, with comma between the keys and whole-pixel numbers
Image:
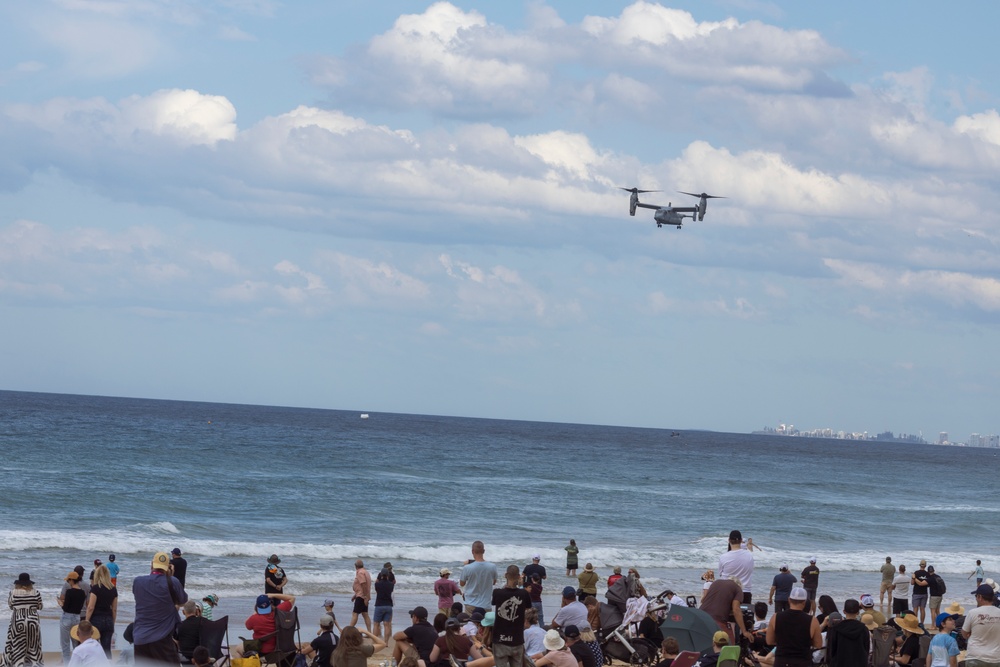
[
  {"x": 737, "y": 563},
  {"x": 89, "y": 654},
  {"x": 678, "y": 600},
  {"x": 534, "y": 638},
  {"x": 984, "y": 641}
]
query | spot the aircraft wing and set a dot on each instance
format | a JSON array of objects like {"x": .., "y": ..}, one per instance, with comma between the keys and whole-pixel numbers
[
  {"x": 652, "y": 206},
  {"x": 685, "y": 209}
]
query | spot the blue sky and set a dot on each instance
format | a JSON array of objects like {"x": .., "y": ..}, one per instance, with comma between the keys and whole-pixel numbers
[{"x": 412, "y": 207}]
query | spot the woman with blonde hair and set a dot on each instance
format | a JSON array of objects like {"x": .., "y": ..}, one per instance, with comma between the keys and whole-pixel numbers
[
  {"x": 353, "y": 650},
  {"x": 24, "y": 635},
  {"x": 708, "y": 578},
  {"x": 102, "y": 606}
]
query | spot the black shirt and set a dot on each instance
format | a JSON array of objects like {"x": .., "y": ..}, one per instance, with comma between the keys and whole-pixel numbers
[
  {"x": 650, "y": 630},
  {"x": 583, "y": 654},
  {"x": 383, "y": 593},
  {"x": 510, "y": 604},
  {"x": 810, "y": 577},
  {"x": 180, "y": 569},
  {"x": 920, "y": 575},
  {"x": 105, "y": 597},
  {"x": 323, "y": 645},
  {"x": 189, "y": 635},
  {"x": 422, "y": 635},
  {"x": 792, "y": 634},
  {"x": 74, "y": 601},
  {"x": 935, "y": 584},
  {"x": 534, "y": 568}
]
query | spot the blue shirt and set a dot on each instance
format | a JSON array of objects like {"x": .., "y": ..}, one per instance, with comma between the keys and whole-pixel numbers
[
  {"x": 155, "y": 610},
  {"x": 942, "y": 647},
  {"x": 783, "y": 583},
  {"x": 113, "y": 569},
  {"x": 479, "y": 578}
]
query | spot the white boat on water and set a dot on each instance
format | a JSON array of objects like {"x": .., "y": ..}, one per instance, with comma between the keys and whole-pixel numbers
[{"x": 364, "y": 415}]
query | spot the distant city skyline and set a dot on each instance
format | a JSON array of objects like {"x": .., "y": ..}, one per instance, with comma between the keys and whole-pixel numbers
[{"x": 974, "y": 440}]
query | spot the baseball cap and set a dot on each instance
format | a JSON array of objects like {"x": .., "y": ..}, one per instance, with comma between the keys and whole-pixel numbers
[
  {"x": 942, "y": 617},
  {"x": 453, "y": 622},
  {"x": 419, "y": 612},
  {"x": 444, "y": 572},
  {"x": 799, "y": 594},
  {"x": 488, "y": 619},
  {"x": 161, "y": 561},
  {"x": 985, "y": 591},
  {"x": 570, "y": 592},
  {"x": 571, "y": 631},
  {"x": 97, "y": 561},
  {"x": 735, "y": 536},
  {"x": 463, "y": 617},
  {"x": 784, "y": 567},
  {"x": 328, "y": 602},
  {"x": 111, "y": 557},
  {"x": 720, "y": 638},
  {"x": 175, "y": 551},
  {"x": 867, "y": 600},
  {"x": 263, "y": 604},
  {"x": 326, "y": 621},
  {"x": 813, "y": 559},
  {"x": 536, "y": 557}
]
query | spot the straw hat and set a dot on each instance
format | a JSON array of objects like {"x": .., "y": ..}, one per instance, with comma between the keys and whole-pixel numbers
[
  {"x": 589, "y": 567},
  {"x": 869, "y": 621},
  {"x": 553, "y": 640},
  {"x": 955, "y": 608},
  {"x": 910, "y": 624},
  {"x": 74, "y": 633}
]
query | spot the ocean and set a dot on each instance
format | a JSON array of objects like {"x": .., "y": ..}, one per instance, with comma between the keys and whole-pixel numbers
[{"x": 85, "y": 476}]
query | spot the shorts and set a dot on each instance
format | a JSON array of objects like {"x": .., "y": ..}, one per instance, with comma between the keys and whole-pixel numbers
[
  {"x": 885, "y": 586},
  {"x": 899, "y": 605},
  {"x": 508, "y": 656},
  {"x": 360, "y": 606},
  {"x": 919, "y": 601},
  {"x": 812, "y": 594},
  {"x": 934, "y": 601},
  {"x": 382, "y": 613}
]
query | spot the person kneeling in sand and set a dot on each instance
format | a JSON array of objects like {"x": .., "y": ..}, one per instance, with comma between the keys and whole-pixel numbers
[{"x": 89, "y": 653}]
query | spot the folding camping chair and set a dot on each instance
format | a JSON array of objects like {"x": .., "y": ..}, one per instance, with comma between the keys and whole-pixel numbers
[
  {"x": 286, "y": 632},
  {"x": 215, "y": 637},
  {"x": 729, "y": 656}
]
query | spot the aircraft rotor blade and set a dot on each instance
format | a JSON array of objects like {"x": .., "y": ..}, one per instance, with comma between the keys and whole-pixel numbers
[
  {"x": 702, "y": 194},
  {"x": 637, "y": 190}
]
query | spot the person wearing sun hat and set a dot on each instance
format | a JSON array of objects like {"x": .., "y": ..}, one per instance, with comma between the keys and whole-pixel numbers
[
  {"x": 982, "y": 630},
  {"x": 157, "y": 596},
  {"x": 89, "y": 653},
  {"x": 910, "y": 649},
  {"x": 208, "y": 603},
  {"x": 558, "y": 655}
]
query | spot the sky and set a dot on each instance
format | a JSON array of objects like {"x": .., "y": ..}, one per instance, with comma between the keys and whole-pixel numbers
[{"x": 414, "y": 207}]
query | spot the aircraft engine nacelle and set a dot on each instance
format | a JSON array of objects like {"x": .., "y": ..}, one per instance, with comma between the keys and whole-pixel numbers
[
  {"x": 702, "y": 205},
  {"x": 631, "y": 208},
  {"x": 633, "y": 201}
]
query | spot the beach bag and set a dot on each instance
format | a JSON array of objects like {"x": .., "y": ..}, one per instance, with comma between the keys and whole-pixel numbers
[{"x": 250, "y": 661}]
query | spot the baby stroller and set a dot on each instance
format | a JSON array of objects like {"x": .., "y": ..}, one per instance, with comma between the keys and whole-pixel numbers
[{"x": 619, "y": 624}]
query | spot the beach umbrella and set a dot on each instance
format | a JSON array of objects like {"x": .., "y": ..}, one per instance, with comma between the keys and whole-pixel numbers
[{"x": 692, "y": 628}]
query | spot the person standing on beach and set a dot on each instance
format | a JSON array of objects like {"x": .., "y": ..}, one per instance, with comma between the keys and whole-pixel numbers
[
  {"x": 179, "y": 565},
  {"x": 534, "y": 590},
  {"x": 888, "y": 572},
  {"x": 274, "y": 576},
  {"x": 478, "y": 578},
  {"x": 446, "y": 590},
  {"x": 72, "y": 601},
  {"x": 113, "y": 570},
  {"x": 510, "y": 603},
  {"x": 810, "y": 582},
  {"x": 794, "y": 633},
  {"x": 616, "y": 574},
  {"x": 572, "y": 558},
  {"x": 535, "y": 567},
  {"x": 24, "y": 635},
  {"x": 738, "y": 562},
  {"x": 102, "y": 606},
  {"x": 901, "y": 591},
  {"x": 982, "y": 630},
  {"x": 588, "y": 582},
  {"x": 935, "y": 590},
  {"x": 157, "y": 596},
  {"x": 722, "y": 603},
  {"x": 362, "y": 588},
  {"x": 978, "y": 573},
  {"x": 781, "y": 586},
  {"x": 384, "y": 587},
  {"x": 919, "y": 582}
]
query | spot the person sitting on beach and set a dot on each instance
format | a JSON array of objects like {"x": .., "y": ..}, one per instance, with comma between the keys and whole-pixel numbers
[
  {"x": 89, "y": 653},
  {"x": 710, "y": 656},
  {"x": 263, "y": 623},
  {"x": 446, "y": 590},
  {"x": 669, "y": 650},
  {"x": 649, "y": 628},
  {"x": 353, "y": 650},
  {"x": 943, "y": 650},
  {"x": 615, "y": 576},
  {"x": 322, "y": 647},
  {"x": 868, "y": 607},
  {"x": 573, "y": 612},
  {"x": 484, "y": 643},
  {"x": 738, "y": 562},
  {"x": 200, "y": 657},
  {"x": 534, "y": 635},
  {"x": 557, "y": 654},
  {"x": 910, "y": 649},
  {"x": 453, "y": 645},
  {"x": 829, "y": 614},
  {"x": 188, "y": 632},
  {"x": 421, "y": 635},
  {"x": 208, "y": 603},
  {"x": 848, "y": 642}
]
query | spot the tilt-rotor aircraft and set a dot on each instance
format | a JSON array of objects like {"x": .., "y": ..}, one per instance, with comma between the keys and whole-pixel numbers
[{"x": 670, "y": 214}]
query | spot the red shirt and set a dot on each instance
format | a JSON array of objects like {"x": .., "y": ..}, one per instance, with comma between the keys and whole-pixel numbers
[{"x": 263, "y": 624}]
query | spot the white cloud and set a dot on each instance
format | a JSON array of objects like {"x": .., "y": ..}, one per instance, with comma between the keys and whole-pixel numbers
[{"x": 186, "y": 115}]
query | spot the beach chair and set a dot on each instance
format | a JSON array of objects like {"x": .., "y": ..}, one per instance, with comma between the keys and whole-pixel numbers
[
  {"x": 729, "y": 656},
  {"x": 883, "y": 642},
  {"x": 215, "y": 637},
  {"x": 286, "y": 632},
  {"x": 686, "y": 659}
]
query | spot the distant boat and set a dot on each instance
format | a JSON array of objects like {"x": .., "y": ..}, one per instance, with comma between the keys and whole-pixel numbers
[
  {"x": 674, "y": 434},
  {"x": 364, "y": 415}
]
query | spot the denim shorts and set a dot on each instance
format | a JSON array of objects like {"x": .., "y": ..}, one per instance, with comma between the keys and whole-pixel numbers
[
  {"x": 382, "y": 614},
  {"x": 919, "y": 601}
]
